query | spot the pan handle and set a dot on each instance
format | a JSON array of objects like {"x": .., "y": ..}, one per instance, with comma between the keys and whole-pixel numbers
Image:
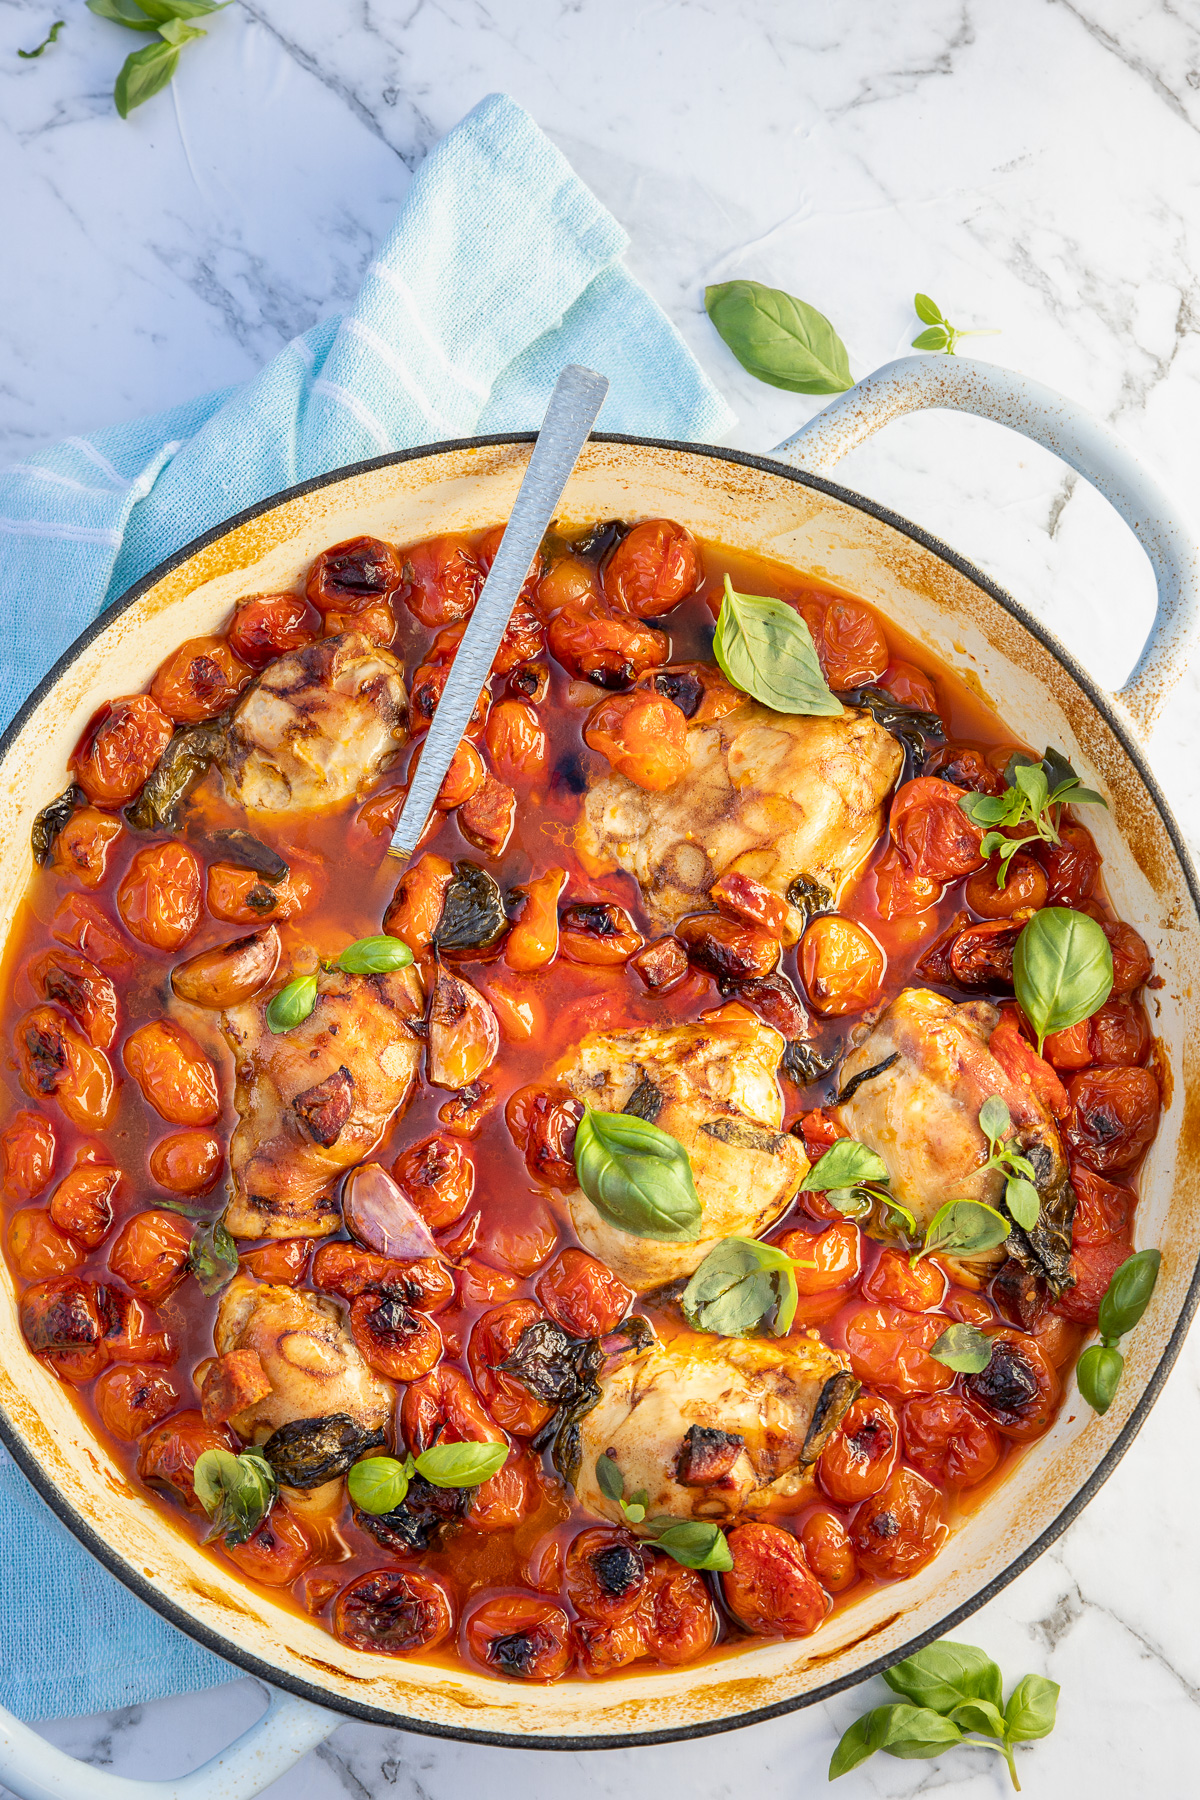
[
  {"x": 915, "y": 382},
  {"x": 288, "y": 1730}
]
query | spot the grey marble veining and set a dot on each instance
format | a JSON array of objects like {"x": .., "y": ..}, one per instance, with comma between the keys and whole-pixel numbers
[{"x": 1036, "y": 166}]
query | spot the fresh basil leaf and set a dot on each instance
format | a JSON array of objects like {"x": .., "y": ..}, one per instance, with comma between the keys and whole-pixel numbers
[
  {"x": 899, "y": 1730},
  {"x": 236, "y": 1492},
  {"x": 927, "y": 310},
  {"x": 637, "y": 1177},
  {"x": 1098, "y": 1372},
  {"x": 1062, "y": 970},
  {"x": 945, "y": 1674},
  {"x": 122, "y": 12},
  {"x": 855, "y": 1203},
  {"x": 375, "y": 956},
  {"x": 1055, "y": 766},
  {"x": 163, "y": 11},
  {"x": 1128, "y": 1293},
  {"x": 177, "y": 33},
  {"x": 212, "y": 1257},
  {"x": 50, "y": 38},
  {"x": 377, "y": 1484},
  {"x": 979, "y": 1715},
  {"x": 902, "y": 1213},
  {"x": 1032, "y": 1709},
  {"x": 963, "y": 1348},
  {"x": 779, "y": 339},
  {"x": 292, "y": 1004},
  {"x": 143, "y": 75},
  {"x": 935, "y": 338},
  {"x": 1023, "y": 1202},
  {"x": 987, "y": 809},
  {"x": 964, "y": 1228},
  {"x": 1032, "y": 782},
  {"x": 994, "y": 1118},
  {"x": 863, "y": 1739},
  {"x": 764, "y": 647},
  {"x": 845, "y": 1164},
  {"x": 609, "y": 1478},
  {"x": 693, "y": 1543},
  {"x": 461, "y": 1465},
  {"x": 739, "y": 1283}
]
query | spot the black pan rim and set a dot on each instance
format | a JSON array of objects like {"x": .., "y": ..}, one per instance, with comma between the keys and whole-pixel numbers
[{"x": 245, "y": 1661}]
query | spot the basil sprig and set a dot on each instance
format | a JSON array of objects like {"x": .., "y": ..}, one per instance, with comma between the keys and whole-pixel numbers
[
  {"x": 854, "y": 1179},
  {"x": 764, "y": 647},
  {"x": 237, "y": 1492},
  {"x": 939, "y": 333},
  {"x": 692, "y": 1542},
  {"x": 950, "y": 1690},
  {"x": 637, "y": 1177},
  {"x": 374, "y": 956},
  {"x": 962, "y": 1228},
  {"x": 1020, "y": 1195},
  {"x": 378, "y": 1484},
  {"x": 739, "y": 1285},
  {"x": 146, "y": 72},
  {"x": 1034, "y": 795},
  {"x": 212, "y": 1257},
  {"x": 1126, "y": 1298},
  {"x": 1062, "y": 970},
  {"x": 292, "y": 1004},
  {"x": 779, "y": 339},
  {"x": 963, "y": 1348}
]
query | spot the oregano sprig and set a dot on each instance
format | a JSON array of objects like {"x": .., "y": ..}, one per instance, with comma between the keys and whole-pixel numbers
[
  {"x": 1020, "y": 1195},
  {"x": 693, "y": 1542},
  {"x": 940, "y": 334},
  {"x": 1034, "y": 796}
]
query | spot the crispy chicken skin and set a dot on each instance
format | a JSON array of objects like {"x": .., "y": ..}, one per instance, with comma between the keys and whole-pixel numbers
[
  {"x": 713, "y": 1085},
  {"x": 317, "y": 727},
  {"x": 922, "y": 1114},
  {"x": 767, "y": 794},
  {"x": 315, "y": 1100},
  {"x": 308, "y": 1355},
  {"x": 740, "y": 1420}
]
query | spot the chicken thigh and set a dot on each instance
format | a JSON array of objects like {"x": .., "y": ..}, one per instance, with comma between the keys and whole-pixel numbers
[
  {"x": 712, "y": 1085},
  {"x": 767, "y": 794}
]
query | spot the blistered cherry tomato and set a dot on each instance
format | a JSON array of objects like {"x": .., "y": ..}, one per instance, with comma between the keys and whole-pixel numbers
[
  {"x": 464, "y": 777},
  {"x": 159, "y": 896},
  {"x": 521, "y": 1241},
  {"x": 245, "y": 898},
  {"x": 910, "y": 686},
  {"x": 1092, "y": 1268},
  {"x": 199, "y": 680},
  {"x": 1102, "y": 1208},
  {"x": 276, "y": 1552},
  {"x": 494, "y": 1337},
  {"x": 1072, "y": 866},
  {"x": 443, "y": 1407},
  {"x": 376, "y": 623},
  {"x": 1018, "y": 1058},
  {"x": 354, "y": 575},
  {"x": 599, "y": 1649},
  {"x": 516, "y": 742},
  {"x": 170, "y": 1451},
  {"x": 485, "y": 556},
  {"x": 828, "y": 1551},
  {"x": 487, "y": 817},
  {"x": 271, "y": 624},
  {"x": 1132, "y": 962},
  {"x": 130, "y": 1400},
  {"x": 442, "y": 581},
  {"x": 860, "y": 1454},
  {"x": 582, "y": 1294},
  {"x": 932, "y": 833},
  {"x": 427, "y": 685},
  {"x": 1119, "y": 1034},
  {"x": 282, "y": 1262},
  {"x": 948, "y": 1440},
  {"x": 82, "y": 1203},
  {"x": 644, "y": 737},
  {"x": 519, "y": 1635},
  {"x": 1069, "y": 1049},
  {"x": 598, "y": 646},
  {"x": 771, "y": 1590},
  {"x": 1025, "y": 885},
  {"x": 187, "y": 1162},
  {"x": 82, "y": 846},
  {"x": 966, "y": 766},
  {"x": 438, "y": 1176},
  {"x": 120, "y": 747},
  {"x": 677, "y": 1616},
  {"x": 850, "y": 644},
  {"x": 897, "y": 1530},
  {"x": 597, "y": 932},
  {"x": 841, "y": 965},
  {"x": 416, "y": 906},
  {"x": 835, "y": 1253},
  {"x": 653, "y": 568},
  {"x": 893, "y": 1281},
  {"x": 80, "y": 923},
  {"x": 79, "y": 986},
  {"x": 394, "y": 1612},
  {"x": 27, "y": 1145},
  {"x": 507, "y": 1497},
  {"x": 542, "y": 1121},
  {"x": 150, "y": 1252},
  {"x": 38, "y": 1247},
  {"x": 568, "y": 580},
  {"x": 393, "y": 1339},
  {"x": 63, "y": 1316},
  {"x": 1019, "y": 1391},
  {"x": 174, "y": 1074},
  {"x": 606, "y": 1577},
  {"x": 889, "y": 1350},
  {"x": 54, "y": 1059},
  {"x": 132, "y": 1334},
  {"x": 728, "y": 948},
  {"x": 532, "y": 942},
  {"x": 1113, "y": 1118}
]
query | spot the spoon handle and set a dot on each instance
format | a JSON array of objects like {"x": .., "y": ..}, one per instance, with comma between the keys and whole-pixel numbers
[{"x": 577, "y": 398}]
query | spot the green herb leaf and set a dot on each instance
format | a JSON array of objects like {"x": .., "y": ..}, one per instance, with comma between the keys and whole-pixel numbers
[
  {"x": 375, "y": 956},
  {"x": 1032, "y": 1709},
  {"x": 1128, "y": 1293},
  {"x": 738, "y": 1285},
  {"x": 1098, "y": 1372},
  {"x": 122, "y": 12},
  {"x": 902, "y": 1213},
  {"x": 994, "y": 1118},
  {"x": 927, "y": 310},
  {"x": 638, "y": 1177},
  {"x": 964, "y": 1348},
  {"x": 163, "y": 11},
  {"x": 964, "y": 1228},
  {"x": 378, "y": 1484},
  {"x": 1023, "y": 1202},
  {"x": 943, "y": 335},
  {"x": 50, "y": 38},
  {"x": 778, "y": 338},
  {"x": 945, "y": 1674},
  {"x": 292, "y": 1004},
  {"x": 900, "y": 1730},
  {"x": 461, "y": 1465},
  {"x": 143, "y": 75},
  {"x": 853, "y": 1202},
  {"x": 979, "y": 1715},
  {"x": 846, "y": 1163},
  {"x": 1062, "y": 970},
  {"x": 212, "y": 1257},
  {"x": 609, "y": 1478},
  {"x": 693, "y": 1543},
  {"x": 177, "y": 33},
  {"x": 236, "y": 1492},
  {"x": 935, "y": 338},
  {"x": 635, "y": 1508},
  {"x": 1032, "y": 796},
  {"x": 764, "y": 647}
]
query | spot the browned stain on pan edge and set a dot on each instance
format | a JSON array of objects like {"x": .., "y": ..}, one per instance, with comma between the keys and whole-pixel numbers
[{"x": 816, "y": 1660}]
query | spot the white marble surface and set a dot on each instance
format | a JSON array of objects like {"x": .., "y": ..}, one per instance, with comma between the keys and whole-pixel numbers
[{"x": 1035, "y": 165}]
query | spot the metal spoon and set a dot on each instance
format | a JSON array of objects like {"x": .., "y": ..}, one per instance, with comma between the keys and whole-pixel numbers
[{"x": 577, "y": 398}]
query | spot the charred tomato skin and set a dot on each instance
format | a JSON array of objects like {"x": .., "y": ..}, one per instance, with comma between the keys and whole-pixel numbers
[
  {"x": 523, "y": 1636},
  {"x": 394, "y": 1612},
  {"x": 1019, "y": 1391},
  {"x": 771, "y": 1591}
]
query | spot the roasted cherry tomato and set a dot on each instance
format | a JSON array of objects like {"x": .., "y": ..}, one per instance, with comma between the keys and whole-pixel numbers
[
  {"x": 598, "y": 646},
  {"x": 653, "y": 568},
  {"x": 394, "y": 1612},
  {"x": 443, "y": 1408},
  {"x": 889, "y": 1350},
  {"x": 677, "y": 1616},
  {"x": 442, "y": 581},
  {"x": 82, "y": 1203},
  {"x": 582, "y": 1294},
  {"x": 1132, "y": 962},
  {"x": 728, "y": 948},
  {"x": 894, "y": 1282},
  {"x": 850, "y": 644},
  {"x": 606, "y": 1576},
  {"x": 532, "y": 941},
  {"x": 37, "y": 1246},
  {"x": 1119, "y": 1034},
  {"x": 245, "y": 898},
  {"x": 841, "y": 965},
  {"x": 80, "y": 923},
  {"x": 159, "y": 896},
  {"x": 1092, "y": 1268},
  {"x": 644, "y": 737},
  {"x": 416, "y": 906},
  {"x": 520, "y": 1241},
  {"x": 1102, "y": 1208},
  {"x": 1018, "y": 1058},
  {"x": 771, "y": 1590},
  {"x": 860, "y": 1454},
  {"x": 173, "y": 1073},
  {"x": 120, "y": 747},
  {"x": 464, "y": 777},
  {"x": 521, "y": 1636},
  {"x": 828, "y": 1551},
  {"x": 130, "y": 1399},
  {"x": 354, "y": 575},
  {"x": 1072, "y": 866},
  {"x": 270, "y": 624},
  {"x": 150, "y": 1252},
  {"x": 485, "y": 556},
  {"x": 948, "y": 1440},
  {"x": 169, "y": 1452},
  {"x": 1113, "y": 1118},
  {"x": 55, "y": 1060},
  {"x": 835, "y": 1255},
  {"x": 276, "y": 1552},
  {"x": 543, "y": 1121},
  {"x": 82, "y": 846},
  {"x": 744, "y": 898},
  {"x": 897, "y": 1530},
  {"x": 394, "y": 1340},
  {"x": 597, "y": 932},
  {"x": 62, "y": 1320},
  {"x": 966, "y": 766},
  {"x": 494, "y": 1337},
  {"x": 516, "y": 742},
  {"x": 934, "y": 836},
  {"x": 507, "y": 1497},
  {"x": 1069, "y": 1049},
  {"x": 199, "y": 680},
  {"x": 282, "y": 1262},
  {"x": 438, "y": 1176},
  {"x": 487, "y": 817},
  {"x": 910, "y": 686},
  {"x": 599, "y": 1649},
  {"x": 27, "y": 1143},
  {"x": 1019, "y": 1391},
  {"x": 568, "y": 580},
  {"x": 1025, "y": 886},
  {"x": 187, "y": 1162},
  {"x": 79, "y": 986},
  {"x": 376, "y": 623}
]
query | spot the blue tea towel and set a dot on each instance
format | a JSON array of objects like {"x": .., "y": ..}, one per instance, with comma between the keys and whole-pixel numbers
[{"x": 501, "y": 268}]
